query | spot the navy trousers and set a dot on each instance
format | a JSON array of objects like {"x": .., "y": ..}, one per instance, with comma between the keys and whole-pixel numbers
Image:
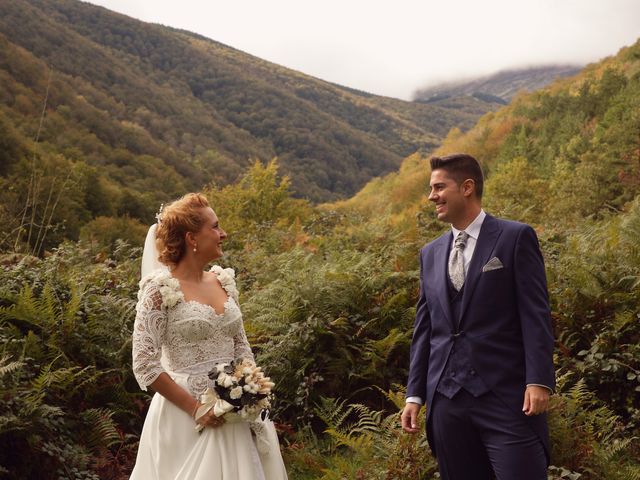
[{"x": 480, "y": 438}]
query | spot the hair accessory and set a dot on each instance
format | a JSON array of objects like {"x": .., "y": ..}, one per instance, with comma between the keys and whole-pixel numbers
[{"x": 159, "y": 214}]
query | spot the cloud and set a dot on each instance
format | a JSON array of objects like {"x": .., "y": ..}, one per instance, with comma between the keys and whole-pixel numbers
[{"x": 392, "y": 48}]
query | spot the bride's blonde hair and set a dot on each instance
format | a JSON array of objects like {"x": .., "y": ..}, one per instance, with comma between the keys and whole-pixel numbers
[{"x": 174, "y": 221}]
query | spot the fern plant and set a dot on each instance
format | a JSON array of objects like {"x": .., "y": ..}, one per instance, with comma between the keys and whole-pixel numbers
[
  {"x": 68, "y": 407},
  {"x": 587, "y": 437},
  {"x": 373, "y": 441}
]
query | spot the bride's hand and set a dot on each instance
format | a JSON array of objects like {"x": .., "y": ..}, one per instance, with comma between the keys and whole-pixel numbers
[{"x": 208, "y": 419}]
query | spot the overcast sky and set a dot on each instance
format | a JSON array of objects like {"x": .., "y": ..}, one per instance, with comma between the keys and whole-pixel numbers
[{"x": 393, "y": 47}]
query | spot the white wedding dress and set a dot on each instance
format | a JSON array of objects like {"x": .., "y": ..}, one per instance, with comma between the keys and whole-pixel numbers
[{"x": 185, "y": 340}]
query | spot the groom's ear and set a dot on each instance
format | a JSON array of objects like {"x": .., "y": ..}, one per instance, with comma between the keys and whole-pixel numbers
[{"x": 468, "y": 187}]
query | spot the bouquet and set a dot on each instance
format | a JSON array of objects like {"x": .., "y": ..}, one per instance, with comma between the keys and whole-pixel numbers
[{"x": 239, "y": 387}]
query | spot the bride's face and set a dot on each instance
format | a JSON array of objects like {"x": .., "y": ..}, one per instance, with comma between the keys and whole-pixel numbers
[{"x": 210, "y": 237}]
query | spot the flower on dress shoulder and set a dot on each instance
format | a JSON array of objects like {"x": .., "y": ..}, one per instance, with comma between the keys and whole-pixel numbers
[
  {"x": 227, "y": 278},
  {"x": 168, "y": 287},
  {"x": 170, "y": 297}
]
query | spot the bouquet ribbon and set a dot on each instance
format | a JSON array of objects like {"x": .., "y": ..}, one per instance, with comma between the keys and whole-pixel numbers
[{"x": 210, "y": 400}]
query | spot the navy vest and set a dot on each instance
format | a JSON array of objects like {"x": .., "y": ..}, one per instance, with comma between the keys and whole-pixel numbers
[{"x": 459, "y": 372}]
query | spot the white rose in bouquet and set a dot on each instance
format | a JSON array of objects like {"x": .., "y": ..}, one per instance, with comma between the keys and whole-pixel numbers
[{"x": 236, "y": 393}]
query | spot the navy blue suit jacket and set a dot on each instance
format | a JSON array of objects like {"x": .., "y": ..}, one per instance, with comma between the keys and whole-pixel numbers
[{"x": 505, "y": 318}]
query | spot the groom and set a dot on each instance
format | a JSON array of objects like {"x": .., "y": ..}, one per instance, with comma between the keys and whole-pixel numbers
[{"x": 482, "y": 348}]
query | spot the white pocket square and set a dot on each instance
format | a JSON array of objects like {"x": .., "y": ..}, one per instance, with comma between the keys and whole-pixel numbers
[{"x": 493, "y": 264}]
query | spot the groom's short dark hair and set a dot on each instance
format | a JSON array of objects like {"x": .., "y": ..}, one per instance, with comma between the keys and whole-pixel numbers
[{"x": 460, "y": 167}]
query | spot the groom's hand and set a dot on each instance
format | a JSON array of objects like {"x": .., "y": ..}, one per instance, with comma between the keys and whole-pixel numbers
[
  {"x": 536, "y": 400},
  {"x": 409, "y": 417}
]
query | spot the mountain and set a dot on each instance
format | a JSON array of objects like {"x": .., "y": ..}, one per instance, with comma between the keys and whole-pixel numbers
[
  {"x": 150, "y": 106},
  {"x": 499, "y": 87}
]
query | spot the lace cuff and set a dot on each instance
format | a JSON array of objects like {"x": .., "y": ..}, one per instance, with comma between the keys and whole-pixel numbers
[{"x": 148, "y": 334}]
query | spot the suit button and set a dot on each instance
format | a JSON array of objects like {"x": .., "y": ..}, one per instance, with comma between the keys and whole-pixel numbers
[
  {"x": 472, "y": 372},
  {"x": 453, "y": 374}
]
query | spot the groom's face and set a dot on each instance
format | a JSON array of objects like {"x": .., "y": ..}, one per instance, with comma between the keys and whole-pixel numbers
[{"x": 448, "y": 197}]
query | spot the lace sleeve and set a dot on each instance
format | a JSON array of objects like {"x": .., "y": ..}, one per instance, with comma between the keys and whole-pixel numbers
[
  {"x": 148, "y": 335},
  {"x": 241, "y": 347}
]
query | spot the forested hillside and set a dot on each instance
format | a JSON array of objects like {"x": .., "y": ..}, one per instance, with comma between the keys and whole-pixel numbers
[
  {"x": 328, "y": 293},
  {"x": 553, "y": 157},
  {"x": 141, "y": 105}
]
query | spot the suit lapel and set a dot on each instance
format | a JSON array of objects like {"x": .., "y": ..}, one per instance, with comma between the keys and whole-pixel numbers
[
  {"x": 489, "y": 233},
  {"x": 441, "y": 257}
]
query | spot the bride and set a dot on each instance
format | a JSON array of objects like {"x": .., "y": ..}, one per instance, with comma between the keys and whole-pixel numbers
[{"x": 187, "y": 321}]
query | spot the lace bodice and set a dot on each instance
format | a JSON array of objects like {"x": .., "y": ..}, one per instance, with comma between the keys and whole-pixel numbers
[{"x": 184, "y": 338}]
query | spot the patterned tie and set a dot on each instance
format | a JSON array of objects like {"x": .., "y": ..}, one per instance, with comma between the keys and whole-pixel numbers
[{"x": 456, "y": 261}]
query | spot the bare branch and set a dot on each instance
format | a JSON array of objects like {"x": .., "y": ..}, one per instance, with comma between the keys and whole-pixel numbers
[{"x": 32, "y": 191}]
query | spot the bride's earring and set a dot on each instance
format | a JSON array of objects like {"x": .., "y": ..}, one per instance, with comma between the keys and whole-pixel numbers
[{"x": 195, "y": 248}]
